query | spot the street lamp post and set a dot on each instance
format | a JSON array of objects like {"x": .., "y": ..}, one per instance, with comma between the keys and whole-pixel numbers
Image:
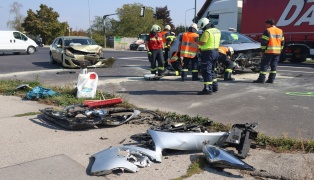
[
  {"x": 90, "y": 28},
  {"x": 185, "y": 17}
]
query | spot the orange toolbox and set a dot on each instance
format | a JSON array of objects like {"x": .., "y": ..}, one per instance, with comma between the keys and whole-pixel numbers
[{"x": 99, "y": 103}]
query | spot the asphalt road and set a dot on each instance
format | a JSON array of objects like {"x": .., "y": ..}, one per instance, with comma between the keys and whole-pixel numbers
[{"x": 284, "y": 108}]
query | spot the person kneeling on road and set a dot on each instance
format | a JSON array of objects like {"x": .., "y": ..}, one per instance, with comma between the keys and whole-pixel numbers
[
  {"x": 154, "y": 46},
  {"x": 224, "y": 57},
  {"x": 176, "y": 63}
]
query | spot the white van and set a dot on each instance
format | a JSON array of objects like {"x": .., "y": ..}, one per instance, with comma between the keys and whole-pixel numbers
[{"x": 16, "y": 42}]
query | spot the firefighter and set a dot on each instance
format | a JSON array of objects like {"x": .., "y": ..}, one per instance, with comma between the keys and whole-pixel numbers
[
  {"x": 188, "y": 49},
  {"x": 224, "y": 57},
  {"x": 208, "y": 45},
  {"x": 176, "y": 63},
  {"x": 154, "y": 46},
  {"x": 271, "y": 46},
  {"x": 165, "y": 33}
]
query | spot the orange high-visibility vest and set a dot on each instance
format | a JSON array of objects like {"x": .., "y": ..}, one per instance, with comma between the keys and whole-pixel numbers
[
  {"x": 223, "y": 50},
  {"x": 164, "y": 37},
  {"x": 275, "y": 39},
  {"x": 189, "y": 47}
]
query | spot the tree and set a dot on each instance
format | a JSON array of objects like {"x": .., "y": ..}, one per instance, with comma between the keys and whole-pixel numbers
[
  {"x": 164, "y": 14},
  {"x": 16, "y": 23},
  {"x": 179, "y": 29},
  {"x": 131, "y": 24},
  {"x": 44, "y": 23}
]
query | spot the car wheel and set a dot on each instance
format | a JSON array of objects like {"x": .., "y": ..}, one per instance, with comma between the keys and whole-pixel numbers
[
  {"x": 220, "y": 68},
  {"x": 31, "y": 50},
  {"x": 52, "y": 60}
]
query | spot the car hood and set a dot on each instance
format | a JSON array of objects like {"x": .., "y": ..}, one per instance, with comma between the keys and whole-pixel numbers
[
  {"x": 86, "y": 48},
  {"x": 243, "y": 46}
]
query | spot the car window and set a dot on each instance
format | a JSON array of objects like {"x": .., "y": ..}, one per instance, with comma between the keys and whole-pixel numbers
[
  {"x": 78, "y": 41},
  {"x": 233, "y": 38},
  {"x": 20, "y": 36},
  {"x": 59, "y": 42}
]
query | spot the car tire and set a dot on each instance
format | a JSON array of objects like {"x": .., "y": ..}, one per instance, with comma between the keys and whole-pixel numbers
[
  {"x": 52, "y": 60},
  {"x": 31, "y": 50}
]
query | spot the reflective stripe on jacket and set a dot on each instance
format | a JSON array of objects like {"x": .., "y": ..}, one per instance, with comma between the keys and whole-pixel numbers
[
  {"x": 174, "y": 58},
  {"x": 155, "y": 41},
  {"x": 272, "y": 40},
  {"x": 213, "y": 41},
  {"x": 189, "y": 47}
]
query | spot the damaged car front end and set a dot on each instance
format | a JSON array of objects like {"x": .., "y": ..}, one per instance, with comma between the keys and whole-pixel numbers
[{"x": 71, "y": 51}]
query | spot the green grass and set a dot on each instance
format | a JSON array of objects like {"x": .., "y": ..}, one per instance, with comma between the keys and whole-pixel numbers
[
  {"x": 196, "y": 167},
  {"x": 68, "y": 97}
]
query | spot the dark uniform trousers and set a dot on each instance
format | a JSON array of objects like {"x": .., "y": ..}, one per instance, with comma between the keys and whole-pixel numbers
[
  {"x": 157, "y": 56},
  {"x": 208, "y": 64},
  {"x": 272, "y": 60}
]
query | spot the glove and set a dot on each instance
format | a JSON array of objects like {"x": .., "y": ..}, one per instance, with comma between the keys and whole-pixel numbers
[{"x": 149, "y": 53}]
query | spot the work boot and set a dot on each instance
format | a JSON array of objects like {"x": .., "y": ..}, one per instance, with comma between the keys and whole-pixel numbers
[
  {"x": 183, "y": 75},
  {"x": 227, "y": 76},
  {"x": 271, "y": 78},
  {"x": 269, "y": 81},
  {"x": 195, "y": 76},
  {"x": 259, "y": 81},
  {"x": 205, "y": 91}
]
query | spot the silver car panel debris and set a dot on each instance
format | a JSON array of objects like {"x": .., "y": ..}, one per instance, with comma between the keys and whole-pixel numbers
[
  {"x": 219, "y": 158},
  {"x": 185, "y": 141},
  {"x": 112, "y": 159}
]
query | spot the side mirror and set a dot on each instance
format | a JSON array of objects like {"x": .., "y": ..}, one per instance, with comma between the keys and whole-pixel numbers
[{"x": 59, "y": 46}]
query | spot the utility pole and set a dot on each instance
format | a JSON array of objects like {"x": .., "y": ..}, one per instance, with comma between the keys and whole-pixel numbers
[{"x": 195, "y": 12}]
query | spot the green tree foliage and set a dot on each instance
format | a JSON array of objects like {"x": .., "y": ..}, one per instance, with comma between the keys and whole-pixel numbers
[
  {"x": 164, "y": 14},
  {"x": 179, "y": 29},
  {"x": 131, "y": 24},
  {"x": 44, "y": 23},
  {"x": 17, "y": 21}
]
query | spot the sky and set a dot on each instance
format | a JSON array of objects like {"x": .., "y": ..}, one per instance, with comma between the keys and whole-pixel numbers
[{"x": 78, "y": 13}]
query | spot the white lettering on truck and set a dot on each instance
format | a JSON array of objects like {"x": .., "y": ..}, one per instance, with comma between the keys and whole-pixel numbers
[{"x": 308, "y": 16}]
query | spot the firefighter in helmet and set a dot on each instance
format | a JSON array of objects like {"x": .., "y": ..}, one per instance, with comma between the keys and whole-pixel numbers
[
  {"x": 154, "y": 46},
  {"x": 225, "y": 54}
]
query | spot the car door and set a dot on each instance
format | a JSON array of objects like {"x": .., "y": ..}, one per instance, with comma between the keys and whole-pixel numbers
[
  {"x": 19, "y": 42},
  {"x": 57, "y": 49}
]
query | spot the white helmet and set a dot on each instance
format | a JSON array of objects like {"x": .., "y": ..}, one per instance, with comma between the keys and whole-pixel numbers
[
  {"x": 194, "y": 26},
  {"x": 155, "y": 28},
  {"x": 202, "y": 23},
  {"x": 167, "y": 27},
  {"x": 231, "y": 50}
]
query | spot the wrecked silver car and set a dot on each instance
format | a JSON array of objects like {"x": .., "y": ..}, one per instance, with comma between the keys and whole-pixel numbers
[
  {"x": 123, "y": 158},
  {"x": 70, "y": 51}
]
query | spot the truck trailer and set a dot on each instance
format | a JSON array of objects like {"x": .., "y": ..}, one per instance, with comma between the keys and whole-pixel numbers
[{"x": 294, "y": 17}]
